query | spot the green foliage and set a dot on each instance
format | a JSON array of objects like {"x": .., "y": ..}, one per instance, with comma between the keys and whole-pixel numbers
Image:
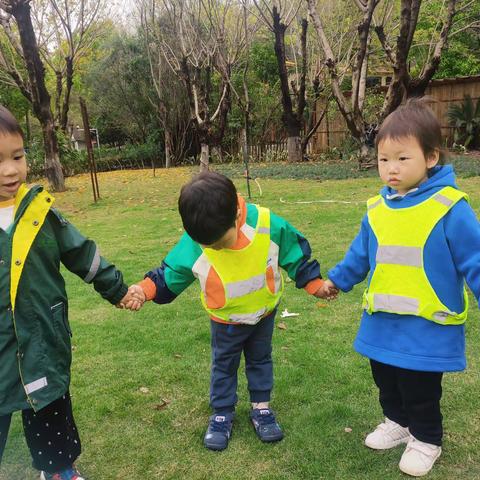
[
  {"x": 465, "y": 117},
  {"x": 263, "y": 60},
  {"x": 462, "y": 55},
  {"x": 120, "y": 91}
]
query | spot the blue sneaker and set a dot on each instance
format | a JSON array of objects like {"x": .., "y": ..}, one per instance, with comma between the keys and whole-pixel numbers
[
  {"x": 219, "y": 431},
  {"x": 266, "y": 427},
  {"x": 67, "y": 474}
]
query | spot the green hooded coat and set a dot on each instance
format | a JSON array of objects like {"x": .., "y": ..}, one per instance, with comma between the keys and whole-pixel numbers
[{"x": 35, "y": 347}]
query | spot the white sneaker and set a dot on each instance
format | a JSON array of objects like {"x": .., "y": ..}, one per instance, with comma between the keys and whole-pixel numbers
[
  {"x": 418, "y": 458},
  {"x": 387, "y": 435}
]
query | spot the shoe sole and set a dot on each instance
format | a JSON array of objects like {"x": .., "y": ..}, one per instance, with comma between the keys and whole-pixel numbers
[
  {"x": 390, "y": 445},
  {"x": 215, "y": 448},
  {"x": 416, "y": 473}
]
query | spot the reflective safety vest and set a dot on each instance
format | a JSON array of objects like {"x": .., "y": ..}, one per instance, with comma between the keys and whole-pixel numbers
[
  {"x": 399, "y": 283},
  {"x": 244, "y": 273}
]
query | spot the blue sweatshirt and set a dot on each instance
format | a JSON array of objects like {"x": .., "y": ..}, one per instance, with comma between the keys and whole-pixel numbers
[{"x": 451, "y": 256}]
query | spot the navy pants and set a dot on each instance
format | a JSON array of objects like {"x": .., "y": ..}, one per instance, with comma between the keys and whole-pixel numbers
[
  {"x": 412, "y": 399},
  {"x": 51, "y": 435},
  {"x": 228, "y": 343}
]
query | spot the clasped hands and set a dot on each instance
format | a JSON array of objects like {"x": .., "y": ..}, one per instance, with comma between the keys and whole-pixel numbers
[
  {"x": 134, "y": 298},
  {"x": 327, "y": 291}
]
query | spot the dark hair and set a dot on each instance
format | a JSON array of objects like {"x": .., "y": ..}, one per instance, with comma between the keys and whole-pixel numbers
[
  {"x": 414, "y": 119},
  {"x": 208, "y": 207},
  {"x": 8, "y": 123}
]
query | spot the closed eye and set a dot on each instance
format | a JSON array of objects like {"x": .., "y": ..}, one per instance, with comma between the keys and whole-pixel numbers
[{"x": 382, "y": 160}]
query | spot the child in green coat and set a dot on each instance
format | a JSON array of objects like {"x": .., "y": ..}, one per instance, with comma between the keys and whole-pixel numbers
[{"x": 35, "y": 347}]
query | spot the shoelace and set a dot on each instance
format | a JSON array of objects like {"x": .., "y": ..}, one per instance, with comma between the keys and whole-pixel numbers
[
  {"x": 222, "y": 427},
  {"x": 265, "y": 418}
]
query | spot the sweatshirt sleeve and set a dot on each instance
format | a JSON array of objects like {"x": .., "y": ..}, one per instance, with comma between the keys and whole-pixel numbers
[
  {"x": 462, "y": 229},
  {"x": 355, "y": 265},
  {"x": 82, "y": 257},
  {"x": 294, "y": 254},
  {"x": 175, "y": 274}
]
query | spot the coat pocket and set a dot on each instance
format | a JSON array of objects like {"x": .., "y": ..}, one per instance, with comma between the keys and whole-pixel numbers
[{"x": 60, "y": 319}]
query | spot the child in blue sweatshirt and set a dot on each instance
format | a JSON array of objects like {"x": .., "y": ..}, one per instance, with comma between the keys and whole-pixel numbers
[{"x": 418, "y": 243}]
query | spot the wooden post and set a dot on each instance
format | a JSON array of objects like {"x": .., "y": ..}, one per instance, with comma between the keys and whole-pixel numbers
[{"x": 88, "y": 142}]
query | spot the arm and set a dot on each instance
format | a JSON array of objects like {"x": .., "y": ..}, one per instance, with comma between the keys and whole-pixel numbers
[
  {"x": 355, "y": 266},
  {"x": 164, "y": 283},
  {"x": 294, "y": 255},
  {"x": 462, "y": 230},
  {"x": 81, "y": 256}
]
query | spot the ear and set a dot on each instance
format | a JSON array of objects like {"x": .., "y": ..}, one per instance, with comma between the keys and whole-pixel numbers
[
  {"x": 239, "y": 214},
  {"x": 432, "y": 158}
]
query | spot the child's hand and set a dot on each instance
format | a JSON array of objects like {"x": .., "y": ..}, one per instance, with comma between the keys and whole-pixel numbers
[
  {"x": 327, "y": 291},
  {"x": 134, "y": 299}
]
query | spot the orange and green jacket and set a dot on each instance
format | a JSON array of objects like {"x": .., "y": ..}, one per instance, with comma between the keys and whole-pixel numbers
[{"x": 177, "y": 271}]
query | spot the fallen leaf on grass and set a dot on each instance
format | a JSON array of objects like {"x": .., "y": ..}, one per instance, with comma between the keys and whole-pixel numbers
[
  {"x": 282, "y": 326},
  {"x": 177, "y": 355},
  {"x": 161, "y": 405},
  {"x": 144, "y": 390},
  {"x": 284, "y": 348},
  {"x": 286, "y": 313},
  {"x": 321, "y": 305},
  {"x": 348, "y": 430}
]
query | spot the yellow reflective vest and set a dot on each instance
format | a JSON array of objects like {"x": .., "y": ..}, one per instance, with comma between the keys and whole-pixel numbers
[
  {"x": 244, "y": 276},
  {"x": 399, "y": 283}
]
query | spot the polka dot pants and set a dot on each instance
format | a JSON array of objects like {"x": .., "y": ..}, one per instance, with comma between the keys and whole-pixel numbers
[{"x": 51, "y": 435}]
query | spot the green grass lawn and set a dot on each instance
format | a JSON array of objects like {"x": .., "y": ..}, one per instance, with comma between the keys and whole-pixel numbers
[{"x": 322, "y": 386}]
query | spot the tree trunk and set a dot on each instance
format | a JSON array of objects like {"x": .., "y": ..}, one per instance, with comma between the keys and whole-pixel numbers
[
  {"x": 53, "y": 169},
  {"x": 68, "y": 91},
  {"x": 40, "y": 96},
  {"x": 168, "y": 154},
  {"x": 28, "y": 128},
  {"x": 204, "y": 157},
  {"x": 366, "y": 157},
  {"x": 294, "y": 149}
]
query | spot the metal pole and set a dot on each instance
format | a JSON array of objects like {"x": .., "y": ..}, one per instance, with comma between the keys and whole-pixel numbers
[{"x": 88, "y": 143}]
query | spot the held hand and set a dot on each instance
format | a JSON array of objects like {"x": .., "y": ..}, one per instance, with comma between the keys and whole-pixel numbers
[
  {"x": 134, "y": 299},
  {"x": 328, "y": 291}
]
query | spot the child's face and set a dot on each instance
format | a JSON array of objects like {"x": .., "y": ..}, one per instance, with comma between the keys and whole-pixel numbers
[
  {"x": 13, "y": 165},
  {"x": 229, "y": 239},
  {"x": 402, "y": 164}
]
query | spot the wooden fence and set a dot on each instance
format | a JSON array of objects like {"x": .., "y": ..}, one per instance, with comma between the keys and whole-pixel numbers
[
  {"x": 333, "y": 132},
  {"x": 272, "y": 150}
]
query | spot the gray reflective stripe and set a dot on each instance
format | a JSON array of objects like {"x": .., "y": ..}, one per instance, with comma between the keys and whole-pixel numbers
[
  {"x": 399, "y": 255},
  {"x": 248, "y": 318},
  {"x": 239, "y": 289},
  {"x": 376, "y": 204},
  {"x": 395, "y": 303},
  {"x": 93, "y": 267},
  {"x": 264, "y": 230},
  {"x": 443, "y": 199},
  {"x": 442, "y": 316}
]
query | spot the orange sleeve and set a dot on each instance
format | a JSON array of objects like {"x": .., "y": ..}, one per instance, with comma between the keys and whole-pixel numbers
[
  {"x": 312, "y": 286},
  {"x": 149, "y": 288}
]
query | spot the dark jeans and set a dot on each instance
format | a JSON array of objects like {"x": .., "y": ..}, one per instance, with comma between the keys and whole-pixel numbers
[
  {"x": 412, "y": 399},
  {"x": 51, "y": 435},
  {"x": 228, "y": 342}
]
